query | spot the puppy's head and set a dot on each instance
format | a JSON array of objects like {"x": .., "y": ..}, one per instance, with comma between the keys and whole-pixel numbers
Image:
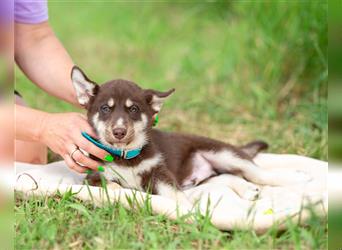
[{"x": 120, "y": 111}]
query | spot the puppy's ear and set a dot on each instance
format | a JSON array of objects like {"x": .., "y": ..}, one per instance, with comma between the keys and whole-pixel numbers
[
  {"x": 156, "y": 98},
  {"x": 84, "y": 87}
]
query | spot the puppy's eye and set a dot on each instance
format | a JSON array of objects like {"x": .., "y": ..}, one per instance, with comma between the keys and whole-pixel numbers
[
  {"x": 134, "y": 109},
  {"x": 105, "y": 109}
]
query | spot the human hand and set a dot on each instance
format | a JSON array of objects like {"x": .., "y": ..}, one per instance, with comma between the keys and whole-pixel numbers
[{"x": 62, "y": 134}]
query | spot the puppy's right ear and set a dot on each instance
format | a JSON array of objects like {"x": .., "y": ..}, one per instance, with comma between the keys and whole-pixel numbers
[{"x": 84, "y": 87}]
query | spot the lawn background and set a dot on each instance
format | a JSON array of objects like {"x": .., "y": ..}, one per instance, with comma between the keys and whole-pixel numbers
[{"x": 242, "y": 71}]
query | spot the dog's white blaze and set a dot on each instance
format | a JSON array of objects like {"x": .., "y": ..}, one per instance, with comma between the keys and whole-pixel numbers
[
  {"x": 130, "y": 176},
  {"x": 129, "y": 103},
  {"x": 84, "y": 89},
  {"x": 119, "y": 122},
  {"x": 110, "y": 102}
]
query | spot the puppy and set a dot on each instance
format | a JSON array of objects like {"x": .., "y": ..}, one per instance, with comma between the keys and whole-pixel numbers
[{"x": 160, "y": 162}]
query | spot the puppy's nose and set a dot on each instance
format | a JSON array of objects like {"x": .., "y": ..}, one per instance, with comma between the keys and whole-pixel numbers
[{"x": 119, "y": 133}]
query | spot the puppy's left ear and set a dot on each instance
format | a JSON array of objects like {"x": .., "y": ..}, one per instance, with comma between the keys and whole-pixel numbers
[
  {"x": 84, "y": 87},
  {"x": 156, "y": 98}
]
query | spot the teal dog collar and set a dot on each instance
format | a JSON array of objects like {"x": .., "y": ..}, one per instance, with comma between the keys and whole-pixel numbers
[{"x": 126, "y": 154}]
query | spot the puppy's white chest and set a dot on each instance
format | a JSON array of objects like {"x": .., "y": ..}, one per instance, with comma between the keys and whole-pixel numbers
[
  {"x": 130, "y": 177},
  {"x": 127, "y": 176}
]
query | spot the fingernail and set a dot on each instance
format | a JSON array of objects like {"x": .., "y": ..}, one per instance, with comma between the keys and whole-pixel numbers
[
  {"x": 156, "y": 120},
  {"x": 89, "y": 171},
  {"x": 100, "y": 169},
  {"x": 109, "y": 158}
]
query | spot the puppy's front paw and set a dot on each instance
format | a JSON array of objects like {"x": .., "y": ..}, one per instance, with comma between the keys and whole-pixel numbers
[{"x": 251, "y": 192}]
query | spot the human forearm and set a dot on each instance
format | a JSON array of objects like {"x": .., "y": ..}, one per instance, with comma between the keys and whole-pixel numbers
[
  {"x": 28, "y": 123},
  {"x": 44, "y": 60}
]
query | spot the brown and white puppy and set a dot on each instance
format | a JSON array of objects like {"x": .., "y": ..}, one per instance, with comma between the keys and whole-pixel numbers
[{"x": 122, "y": 114}]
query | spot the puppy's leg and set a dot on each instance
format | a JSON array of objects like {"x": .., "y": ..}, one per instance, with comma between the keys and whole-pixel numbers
[
  {"x": 170, "y": 191},
  {"x": 246, "y": 190},
  {"x": 160, "y": 181},
  {"x": 226, "y": 161},
  {"x": 113, "y": 185},
  {"x": 93, "y": 179}
]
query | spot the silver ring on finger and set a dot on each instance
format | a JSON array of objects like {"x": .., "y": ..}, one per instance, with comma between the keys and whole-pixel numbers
[{"x": 72, "y": 153}]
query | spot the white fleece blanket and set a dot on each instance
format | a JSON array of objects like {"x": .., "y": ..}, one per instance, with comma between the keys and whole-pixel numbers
[{"x": 228, "y": 211}]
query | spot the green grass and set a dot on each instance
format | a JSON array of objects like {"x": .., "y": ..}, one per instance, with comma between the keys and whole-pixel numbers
[
  {"x": 64, "y": 222},
  {"x": 242, "y": 70}
]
